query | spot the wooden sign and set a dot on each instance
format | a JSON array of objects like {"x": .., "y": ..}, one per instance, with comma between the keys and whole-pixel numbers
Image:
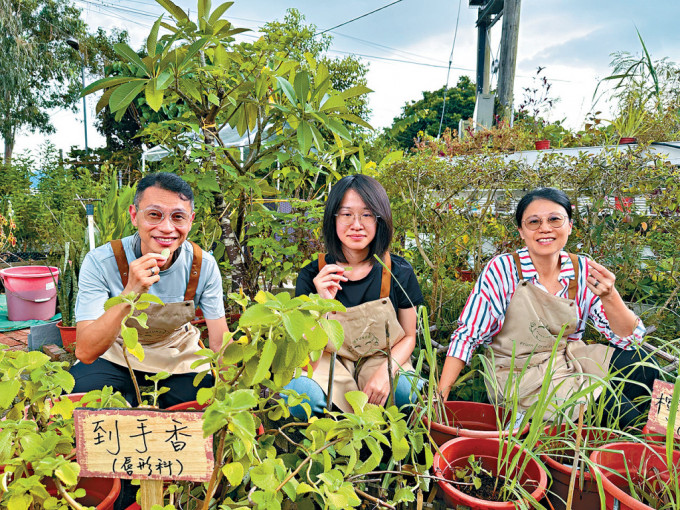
[
  {"x": 659, "y": 412},
  {"x": 143, "y": 444}
]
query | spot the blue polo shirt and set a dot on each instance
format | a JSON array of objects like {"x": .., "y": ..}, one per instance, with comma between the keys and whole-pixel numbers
[{"x": 99, "y": 280}]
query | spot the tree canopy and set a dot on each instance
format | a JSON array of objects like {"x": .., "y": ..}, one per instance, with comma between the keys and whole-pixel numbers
[
  {"x": 460, "y": 104},
  {"x": 38, "y": 70}
]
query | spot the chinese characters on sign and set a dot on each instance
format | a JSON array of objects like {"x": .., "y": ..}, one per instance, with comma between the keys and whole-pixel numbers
[
  {"x": 659, "y": 412},
  {"x": 144, "y": 444}
]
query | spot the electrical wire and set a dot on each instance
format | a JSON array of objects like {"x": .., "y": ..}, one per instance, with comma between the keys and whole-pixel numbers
[
  {"x": 357, "y": 18},
  {"x": 448, "y": 72}
]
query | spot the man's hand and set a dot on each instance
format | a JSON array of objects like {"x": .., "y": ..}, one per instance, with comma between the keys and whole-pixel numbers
[{"x": 144, "y": 272}]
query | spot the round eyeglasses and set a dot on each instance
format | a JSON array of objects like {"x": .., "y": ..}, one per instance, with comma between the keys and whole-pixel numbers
[
  {"x": 154, "y": 216},
  {"x": 554, "y": 221},
  {"x": 365, "y": 218}
]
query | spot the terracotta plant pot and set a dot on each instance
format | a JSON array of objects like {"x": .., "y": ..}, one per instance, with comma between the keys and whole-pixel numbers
[
  {"x": 470, "y": 419},
  {"x": 542, "y": 145},
  {"x": 584, "y": 497},
  {"x": 456, "y": 452},
  {"x": 68, "y": 336},
  {"x": 642, "y": 461},
  {"x": 624, "y": 140},
  {"x": 100, "y": 492}
]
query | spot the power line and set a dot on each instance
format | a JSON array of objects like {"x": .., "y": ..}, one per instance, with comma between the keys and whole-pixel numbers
[
  {"x": 448, "y": 72},
  {"x": 358, "y": 17},
  {"x": 371, "y": 43}
]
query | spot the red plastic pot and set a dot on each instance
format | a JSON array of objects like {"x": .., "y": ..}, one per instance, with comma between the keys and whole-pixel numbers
[
  {"x": 455, "y": 454},
  {"x": 585, "y": 497},
  {"x": 68, "y": 336},
  {"x": 470, "y": 419},
  {"x": 641, "y": 459},
  {"x": 626, "y": 140},
  {"x": 542, "y": 144},
  {"x": 100, "y": 492}
]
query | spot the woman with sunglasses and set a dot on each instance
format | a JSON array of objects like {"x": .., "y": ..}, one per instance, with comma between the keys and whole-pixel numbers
[
  {"x": 380, "y": 300},
  {"x": 521, "y": 302}
]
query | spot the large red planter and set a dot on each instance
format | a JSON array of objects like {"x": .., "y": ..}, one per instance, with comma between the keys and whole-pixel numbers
[
  {"x": 641, "y": 459},
  {"x": 455, "y": 453},
  {"x": 542, "y": 145},
  {"x": 470, "y": 419},
  {"x": 584, "y": 497}
]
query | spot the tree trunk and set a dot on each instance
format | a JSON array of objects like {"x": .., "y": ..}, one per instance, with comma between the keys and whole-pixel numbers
[{"x": 9, "y": 147}]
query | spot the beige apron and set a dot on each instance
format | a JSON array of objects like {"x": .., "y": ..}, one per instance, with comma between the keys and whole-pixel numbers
[
  {"x": 367, "y": 328},
  {"x": 533, "y": 321},
  {"x": 170, "y": 341}
]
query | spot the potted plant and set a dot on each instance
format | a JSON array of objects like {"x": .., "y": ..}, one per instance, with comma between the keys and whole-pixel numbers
[
  {"x": 37, "y": 468},
  {"x": 632, "y": 121},
  {"x": 67, "y": 292},
  {"x": 508, "y": 484}
]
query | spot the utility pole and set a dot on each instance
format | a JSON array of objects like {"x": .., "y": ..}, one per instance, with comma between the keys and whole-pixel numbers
[{"x": 508, "y": 56}]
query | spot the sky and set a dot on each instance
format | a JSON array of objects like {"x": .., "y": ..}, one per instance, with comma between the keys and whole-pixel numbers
[{"x": 407, "y": 46}]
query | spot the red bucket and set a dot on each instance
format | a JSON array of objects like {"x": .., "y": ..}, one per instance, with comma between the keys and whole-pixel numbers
[{"x": 31, "y": 292}]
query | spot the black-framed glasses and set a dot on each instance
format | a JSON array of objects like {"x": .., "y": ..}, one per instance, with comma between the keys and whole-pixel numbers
[
  {"x": 554, "y": 221},
  {"x": 365, "y": 218},
  {"x": 154, "y": 216}
]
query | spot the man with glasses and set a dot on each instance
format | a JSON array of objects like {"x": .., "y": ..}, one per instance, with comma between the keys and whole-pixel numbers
[{"x": 159, "y": 260}]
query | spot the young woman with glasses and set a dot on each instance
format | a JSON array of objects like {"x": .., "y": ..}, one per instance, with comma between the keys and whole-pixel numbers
[
  {"x": 381, "y": 302},
  {"x": 522, "y": 300}
]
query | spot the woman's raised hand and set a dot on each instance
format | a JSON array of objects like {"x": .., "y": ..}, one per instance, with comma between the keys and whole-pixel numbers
[
  {"x": 327, "y": 282},
  {"x": 600, "y": 280}
]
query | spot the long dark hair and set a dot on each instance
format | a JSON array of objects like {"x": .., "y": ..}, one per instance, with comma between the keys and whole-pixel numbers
[
  {"x": 551, "y": 194},
  {"x": 375, "y": 198}
]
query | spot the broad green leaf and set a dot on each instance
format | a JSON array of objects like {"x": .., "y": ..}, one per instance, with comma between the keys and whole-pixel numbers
[
  {"x": 174, "y": 10},
  {"x": 304, "y": 488},
  {"x": 130, "y": 336},
  {"x": 265, "y": 363},
  {"x": 301, "y": 85},
  {"x": 317, "y": 338},
  {"x": 405, "y": 494},
  {"x": 111, "y": 302},
  {"x": 124, "y": 95},
  {"x": 8, "y": 391},
  {"x": 68, "y": 473},
  {"x": 334, "y": 102},
  {"x": 287, "y": 89},
  {"x": 192, "y": 51},
  {"x": 131, "y": 56},
  {"x": 219, "y": 10},
  {"x": 103, "y": 101},
  {"x": 154, "y": 97},
  {"x": 243, "y": 399},
  {"x": 357, "y": 399},
  {"x": 106, "y": 83},
  {"x": 257, "y": 315},
  {"x": 304, "y": 137},
  {"x": 137, "y": 352},
  {"x": 151, "y": 298},
  {"x": 334, "y": 331},
  {"x": 355, "y": 91},
  {"x": 294, "y": 322},
  {"x": 152, "y": 40},
  {"x": 234, "y": 472},
  {"x": 399, "y": 447}
]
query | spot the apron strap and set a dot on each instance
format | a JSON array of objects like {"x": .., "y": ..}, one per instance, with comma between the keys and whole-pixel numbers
[
  {"x": 518, "y": 265},
  {"x": 194, "y": 273},
  {"x": 386, "y": 277},
  {"x": 386, "y": 280},
  {"x": 121, "y": 260},
  {"x": 573, "y": 285}
]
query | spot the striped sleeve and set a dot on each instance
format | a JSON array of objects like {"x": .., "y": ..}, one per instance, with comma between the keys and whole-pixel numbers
[
  {"x": 484, "y": 312},
  {"x": 590, "y": 307}
]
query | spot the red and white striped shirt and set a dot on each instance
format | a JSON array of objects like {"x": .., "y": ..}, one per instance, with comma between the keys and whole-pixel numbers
[{"x": 484, "y": 312}]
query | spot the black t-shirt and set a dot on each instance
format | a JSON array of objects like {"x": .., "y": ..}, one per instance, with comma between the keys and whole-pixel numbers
[{"x": 367, "y": 289}]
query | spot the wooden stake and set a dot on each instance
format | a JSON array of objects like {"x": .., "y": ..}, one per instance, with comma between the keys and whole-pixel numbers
[
  {"x": 152, "y": 493},
  {"x": 574, "y": 468}
]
